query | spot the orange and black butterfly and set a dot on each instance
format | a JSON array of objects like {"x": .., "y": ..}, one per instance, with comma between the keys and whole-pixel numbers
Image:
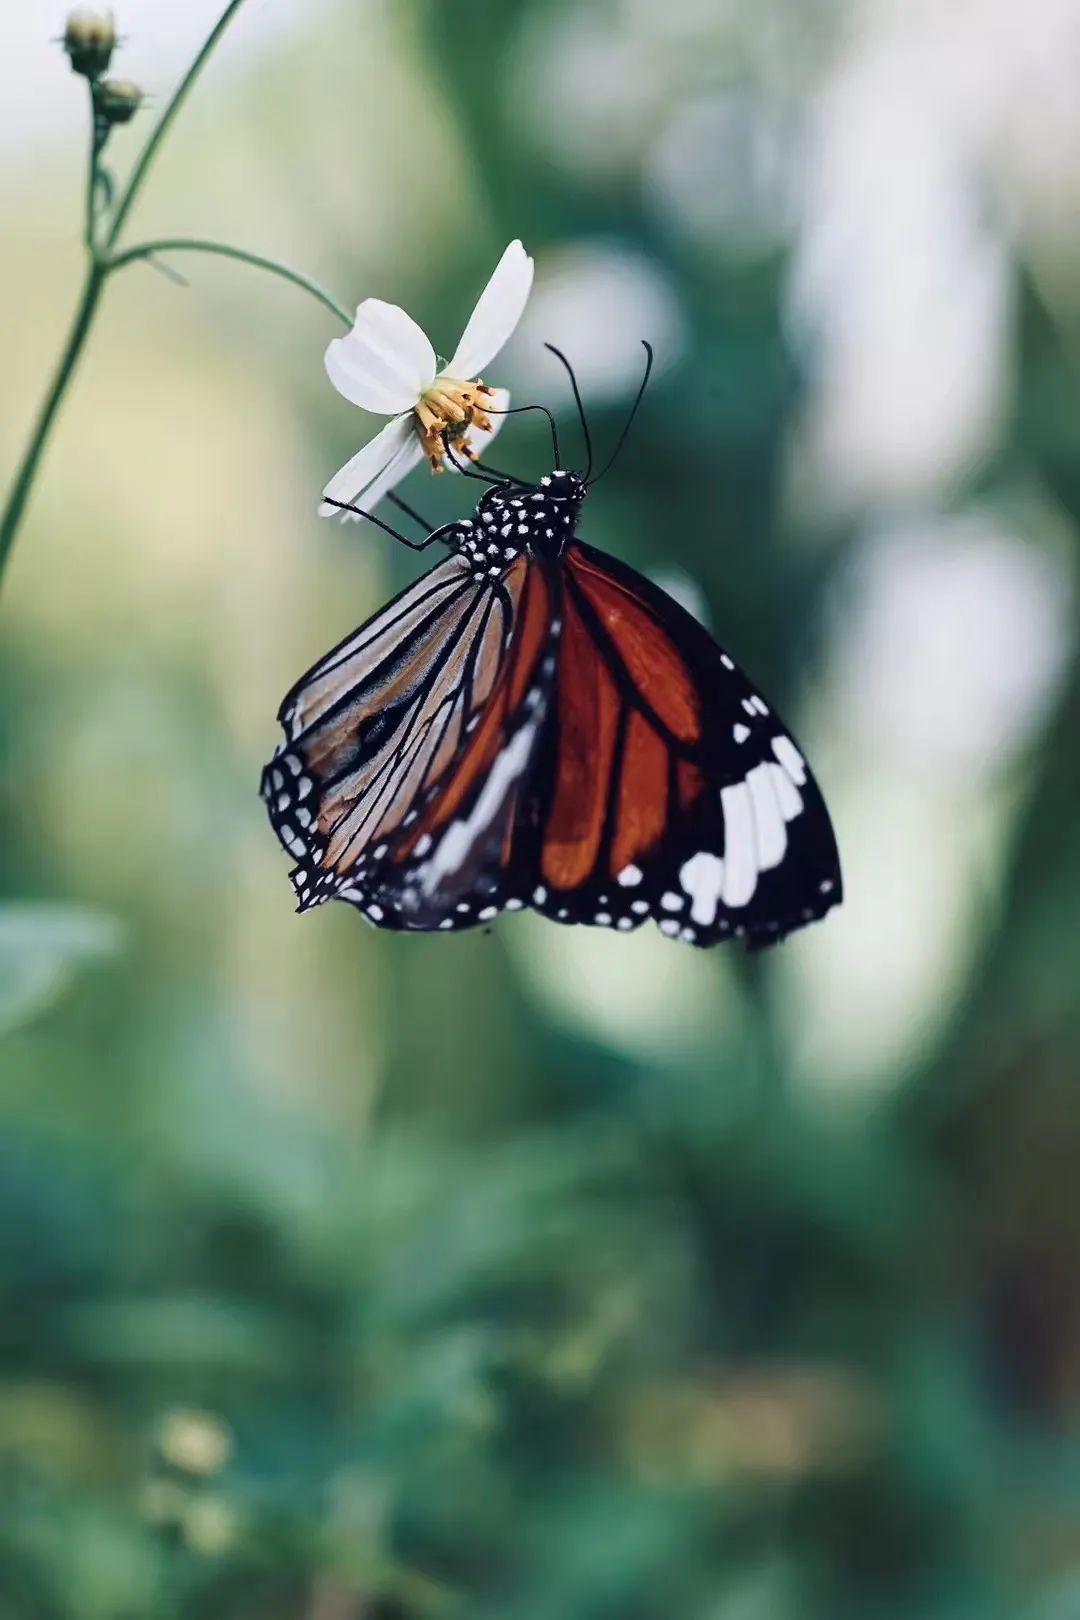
[{"x": 533, "y": 723}]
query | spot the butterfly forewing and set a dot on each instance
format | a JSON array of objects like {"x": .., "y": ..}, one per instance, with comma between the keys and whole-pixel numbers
[
  {"x": 453, "y": 865},
  {"x": 380, "y": 719}
]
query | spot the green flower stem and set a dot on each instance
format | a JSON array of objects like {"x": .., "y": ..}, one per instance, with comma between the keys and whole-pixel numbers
[
  {"x": 24, "y": 478},
  {"x": 146, "y": 250},
  {"x": 161, "y": 129},
  {"x": 90, "y": 232},
  {"x": 102, "y": 261}
]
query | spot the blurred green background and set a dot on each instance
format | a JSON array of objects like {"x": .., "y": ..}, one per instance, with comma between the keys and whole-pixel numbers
[{"x": 540, "y": 1275}]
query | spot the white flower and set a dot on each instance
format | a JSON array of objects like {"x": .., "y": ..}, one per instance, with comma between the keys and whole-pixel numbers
[{"x": 387, "y": 365}]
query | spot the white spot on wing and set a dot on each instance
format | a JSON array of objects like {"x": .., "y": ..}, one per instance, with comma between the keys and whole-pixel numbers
[
  {"x": 629, "y": 876},
  {"x": 740, "y": 732},
  {"x": 788, "y": 796},
  {"x": 790, "y": 758},
  {"x": 768, "y": 818},
  {"x": 740, "y": 866},
  {"x": 702, "y": 876},
  {"x": 454, "y": 845}
]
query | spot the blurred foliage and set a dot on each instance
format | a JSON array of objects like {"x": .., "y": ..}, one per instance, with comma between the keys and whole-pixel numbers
[
  {"x": 41, "y": 948},
  {"x": 348, "y": 1277}
]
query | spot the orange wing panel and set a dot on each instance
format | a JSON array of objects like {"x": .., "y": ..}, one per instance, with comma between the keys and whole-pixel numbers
[
  {"x": 652, "y": 660},
  {"x": 691, "y": 785},
  {"x": 643, "y": 795},
  {"x": 588, "y": 714}
]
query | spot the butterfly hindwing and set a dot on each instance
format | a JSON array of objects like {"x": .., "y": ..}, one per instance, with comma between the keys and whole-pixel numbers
[{"x": 664, "y": 786}]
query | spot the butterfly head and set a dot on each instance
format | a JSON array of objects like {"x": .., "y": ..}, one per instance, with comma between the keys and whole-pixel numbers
[{"x": 565, "y": 486}]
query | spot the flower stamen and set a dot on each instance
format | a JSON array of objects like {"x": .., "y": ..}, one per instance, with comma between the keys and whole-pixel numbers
[{"x": 447, "y": 410}]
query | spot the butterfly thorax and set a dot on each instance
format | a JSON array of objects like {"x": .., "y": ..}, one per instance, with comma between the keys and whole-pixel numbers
[{"x": 513, "y": 518}]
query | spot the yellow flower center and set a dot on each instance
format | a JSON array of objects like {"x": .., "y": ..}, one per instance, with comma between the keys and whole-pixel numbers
[{"x": 447, "y": 411}]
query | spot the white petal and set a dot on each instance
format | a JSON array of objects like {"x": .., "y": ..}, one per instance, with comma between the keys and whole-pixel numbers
[
  {"x": 374, "y": 469},
  {"x": 385, "y": 363},
  {"x": 403, "y": 463},
  {"x": 478, "y": 439},
  {"x": 500, "y": 307}
]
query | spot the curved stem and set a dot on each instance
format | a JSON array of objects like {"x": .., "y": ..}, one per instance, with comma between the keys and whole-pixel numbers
[
  {"x": 149, "y": 151},
  {"x": 182, "y": 244},
  {"x": 24, "y": 478}
]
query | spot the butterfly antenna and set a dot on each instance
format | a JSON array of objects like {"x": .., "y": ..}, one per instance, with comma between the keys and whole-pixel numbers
[
  {"x": 633, "y": 412},
  {"x": 577, "y": 400},
  {"x": 517, "y": 410}
]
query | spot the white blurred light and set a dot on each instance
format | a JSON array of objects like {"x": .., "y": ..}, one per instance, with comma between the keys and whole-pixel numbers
[
  {"x": 596, "y": 301},
  {"x": 952, "y": 641},
  {"x": 680, "y": 22},
  {"x": 159, "y": 39},
  {"x": 901, "y": 287},
  {"x": 865, "y": 995},
  {"x": 950, "y": 645},
  {"x": 637, "y": 993},
  {"x": 584, "y": 87},
  {"x": 723, "y": 173},
  {"x": 684, "y": 589}
]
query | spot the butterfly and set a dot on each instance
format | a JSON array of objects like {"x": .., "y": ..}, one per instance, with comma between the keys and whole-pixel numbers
[{"x": 535, "y": 724}]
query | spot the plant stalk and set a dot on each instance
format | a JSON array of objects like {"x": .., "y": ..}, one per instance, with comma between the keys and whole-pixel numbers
[
  {"x": 24, "y": 478},
  {"x": 183, "y": 244},
  {"x": 102, "y": 260}
]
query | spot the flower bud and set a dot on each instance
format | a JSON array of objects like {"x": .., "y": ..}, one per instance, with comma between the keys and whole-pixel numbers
[
  {"x": 197, "y": 1443},
  {"x": 89, "y": 39},
  {"x": 116, "y": 101}
]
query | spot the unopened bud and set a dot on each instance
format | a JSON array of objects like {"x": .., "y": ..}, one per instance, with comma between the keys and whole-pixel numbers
[
  {"x": 89, "y": 39},
  {"x": 195, "y": 1442},
  {"x": 116, "y": 101}
]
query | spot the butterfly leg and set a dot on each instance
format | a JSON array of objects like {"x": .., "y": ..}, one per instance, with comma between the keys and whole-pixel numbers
[
  {"x": 504, "y": 477},
  {"x": 410, "y": 511},
  {"x": 413, "y": 545}
]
